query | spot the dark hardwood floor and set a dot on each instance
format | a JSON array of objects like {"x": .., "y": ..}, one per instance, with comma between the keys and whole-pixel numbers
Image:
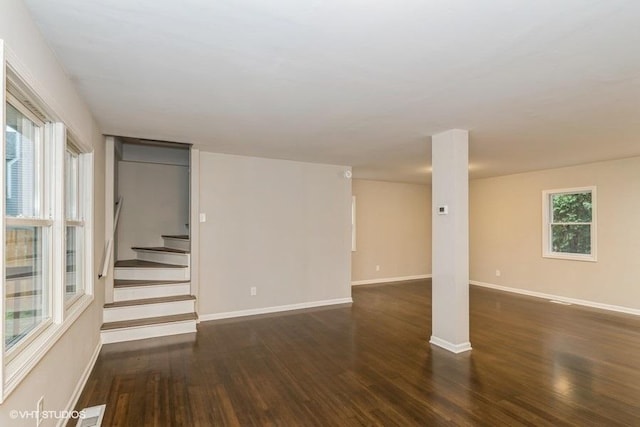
[{"x": 533, "y": 363}]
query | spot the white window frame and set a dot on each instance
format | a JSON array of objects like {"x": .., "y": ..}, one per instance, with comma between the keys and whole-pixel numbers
[
  {"x": 25, "y": 355},
  {"x": 41, "y": 219},
  {"x": 547, "y": 249},
  {"x": 84, "y": 195}
]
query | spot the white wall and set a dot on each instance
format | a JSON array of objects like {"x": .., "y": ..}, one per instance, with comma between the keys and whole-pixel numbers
[
  {"x": 281, "y": 226},
  {"x": 155, "y": 202},
  {"x": 58, "y": 373},
  {"x": 155, "y": 154},
  {"x": 506, "y": 233},
  {"x": 393, "y": 230}
]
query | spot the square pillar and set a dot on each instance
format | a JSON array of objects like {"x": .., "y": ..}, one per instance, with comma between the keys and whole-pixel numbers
[{"x": 450, "y": 241}]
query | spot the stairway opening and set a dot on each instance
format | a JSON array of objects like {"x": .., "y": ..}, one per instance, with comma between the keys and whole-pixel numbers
[{"x": 151, "y": 293}]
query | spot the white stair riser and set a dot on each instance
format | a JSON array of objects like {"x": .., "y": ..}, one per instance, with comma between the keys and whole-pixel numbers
[
  {"x": 182, "y": 244},
  {"x": 163, "y": 257},
  {"x": 144, "y": 311},
  {"x": 150, "y": 291},
  {"x": 132, "y": 273},
  {"x": 151, "y": 331}
]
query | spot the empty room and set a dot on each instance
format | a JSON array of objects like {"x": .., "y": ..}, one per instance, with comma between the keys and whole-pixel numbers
[{"x": 320, "y": 213}]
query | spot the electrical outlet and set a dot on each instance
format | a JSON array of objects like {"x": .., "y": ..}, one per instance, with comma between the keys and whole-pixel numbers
[
  {"x": 40, "y": 409},
  {"x": 498, "y": 273},
  {"x": 377, "y": 268},
  {"x": 254, "y": 291}
]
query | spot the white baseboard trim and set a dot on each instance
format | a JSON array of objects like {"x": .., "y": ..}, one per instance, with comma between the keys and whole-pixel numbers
[
  {"x": 453, "y": 348},
  {"x": 82, "y": 382},
  {"x": 276, "y": 309},
  {"x": 389, "y": 279},
  {"x": 592, "y": 304}
]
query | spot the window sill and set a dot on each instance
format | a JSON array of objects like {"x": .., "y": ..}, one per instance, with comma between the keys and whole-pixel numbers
[
  {"x": 570, "y": 257},
  {"x": 22, "y": 364}
]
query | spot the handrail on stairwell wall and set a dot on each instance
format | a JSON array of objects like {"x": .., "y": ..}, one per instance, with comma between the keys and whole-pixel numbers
[{"x": 107, "y": 252}]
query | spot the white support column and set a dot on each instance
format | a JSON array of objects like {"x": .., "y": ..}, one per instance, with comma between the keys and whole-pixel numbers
[{"x": 450, "y": 241}]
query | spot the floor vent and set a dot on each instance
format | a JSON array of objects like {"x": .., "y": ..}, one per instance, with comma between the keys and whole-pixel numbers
[
  {"x": 555, "y": 301},
  {"x": 92, "y": 416}
]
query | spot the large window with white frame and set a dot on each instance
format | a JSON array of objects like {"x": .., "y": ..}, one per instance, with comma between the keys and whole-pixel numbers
[
  {"x": 28, "y": 227},
  {"x": 47, "y": 207},
  {"x": 569, "y": 223}
]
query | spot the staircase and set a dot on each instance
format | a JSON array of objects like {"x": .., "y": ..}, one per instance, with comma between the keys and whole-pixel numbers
[{"x": 151, "y": 294}]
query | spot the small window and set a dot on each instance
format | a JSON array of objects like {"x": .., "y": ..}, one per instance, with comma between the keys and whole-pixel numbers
[{"x": 569, "y": 223}]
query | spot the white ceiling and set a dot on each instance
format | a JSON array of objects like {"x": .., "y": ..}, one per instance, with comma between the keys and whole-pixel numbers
[{"x": 539, "y": 84}]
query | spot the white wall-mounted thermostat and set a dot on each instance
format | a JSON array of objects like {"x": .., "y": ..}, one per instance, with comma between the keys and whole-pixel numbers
[{"x": 443, "y": 210}]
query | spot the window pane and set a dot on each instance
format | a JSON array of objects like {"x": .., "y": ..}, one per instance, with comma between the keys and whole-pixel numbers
[
  {"x": 21, "y": 179},
  {"x": 25, "y": 293},
  {"x": 571, "y": 207},
  {"x": 73, "y": 262},
  {"x": 71, "y": 186},
  {"x": 574, "y": 239}
]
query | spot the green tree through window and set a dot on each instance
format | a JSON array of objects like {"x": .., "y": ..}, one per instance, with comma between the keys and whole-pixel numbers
[{"x": 571, "y": 222}]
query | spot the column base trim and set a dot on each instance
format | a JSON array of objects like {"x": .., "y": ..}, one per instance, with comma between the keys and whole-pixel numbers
[{"x": 453, "y": 348}]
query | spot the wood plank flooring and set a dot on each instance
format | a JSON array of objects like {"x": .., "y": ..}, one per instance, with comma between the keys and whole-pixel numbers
[{"x": 533, "y": 363}]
